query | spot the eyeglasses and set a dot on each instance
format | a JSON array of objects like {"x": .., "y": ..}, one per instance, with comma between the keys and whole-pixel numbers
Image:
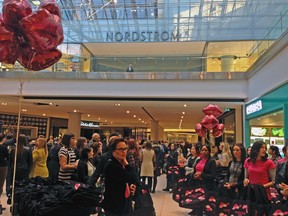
[{"x": 122, "y": 149}]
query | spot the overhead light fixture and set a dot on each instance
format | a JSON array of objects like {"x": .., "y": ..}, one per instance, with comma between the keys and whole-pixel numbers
[{"x": 36, "y": 2}]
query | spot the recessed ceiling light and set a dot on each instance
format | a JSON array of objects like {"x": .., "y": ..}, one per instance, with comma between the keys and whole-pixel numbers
[
  {"x": 88, "y": 115},
  {"x": 274, "y": 114},
  {"x": 134, "y": 116},
  {"x": 74, "y": 110},
  {"x": 50, "y": 103},
  {"x": 183, "y": 113},
  {"x": 24, "y": 110},
  {"x": 185, "y": 105},
  {"x": 127, "y": 111},
  {"x": 44, "y": 114},
  {"x": 4, "y": 104}
]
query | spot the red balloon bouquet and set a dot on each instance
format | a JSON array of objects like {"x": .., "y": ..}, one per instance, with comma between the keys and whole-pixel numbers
[
  {"x": 212, "y": 110},
  {"x": 31, "y": 38},
  {"x": 200, "y": 130},
  {"x": 218, "y": 130},
  {"x": 210, "y": 122}
]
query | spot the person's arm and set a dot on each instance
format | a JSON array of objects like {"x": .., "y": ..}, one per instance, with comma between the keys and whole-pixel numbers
[
  {"x": 82, "y": 171},
  {"x": 246, "y": 178},
  {"x": 272, "y": 174},
  {"x": 63, "y": 163}
]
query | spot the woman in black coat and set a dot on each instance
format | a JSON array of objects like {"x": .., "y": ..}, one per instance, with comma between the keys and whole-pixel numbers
[
  {"x": 120, "y": 181},
  {"x": 85, "y": 167},
  {"x": 205, "y": 169}
]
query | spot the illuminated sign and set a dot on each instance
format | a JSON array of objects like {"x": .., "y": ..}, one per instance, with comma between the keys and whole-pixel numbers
[
  {"x": 279, "y": 132},
  {"x": 141, "y": 36},
  {"x": 89, "y": 124},
  {"x": 254, "y": 107},
  {"x": 258, "y": 131}
]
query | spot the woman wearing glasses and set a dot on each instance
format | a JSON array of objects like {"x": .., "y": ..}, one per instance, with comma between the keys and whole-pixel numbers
[{"x": 120, "y": 180}]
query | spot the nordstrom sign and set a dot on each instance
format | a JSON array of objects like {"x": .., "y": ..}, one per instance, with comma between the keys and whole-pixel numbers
[{"x": 141, "y": 36}]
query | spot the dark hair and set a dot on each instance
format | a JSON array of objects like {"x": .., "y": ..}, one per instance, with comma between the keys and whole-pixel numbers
[
  {"x": 243, "y": 152},
  {"x": 148, "y": 145},
  {"x": 22, "y": 141},
  {"x": 114, "y": 134},
  {"x": 255, "y": 151},
  {"x": 84, "y": 153},
  {"x": 66, "y": 139},
  {"x": 276, "y": 150},
  {"x": 80, "y": 142},
  {"x": 284, "y": 149},
  {"x": 197, "y": 148},
  {"x": 114, "y": 142},
  {"x": 208, "y": 148}
]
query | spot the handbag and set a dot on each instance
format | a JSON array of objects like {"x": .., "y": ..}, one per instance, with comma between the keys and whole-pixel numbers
[{"x": 193, "y": 197}]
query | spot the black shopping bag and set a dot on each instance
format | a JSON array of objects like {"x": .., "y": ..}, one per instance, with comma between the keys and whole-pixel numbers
[{"x": 193, "y": 197}]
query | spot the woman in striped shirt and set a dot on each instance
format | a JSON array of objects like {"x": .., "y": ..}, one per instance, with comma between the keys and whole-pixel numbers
[{"x": 67, "y": 157}]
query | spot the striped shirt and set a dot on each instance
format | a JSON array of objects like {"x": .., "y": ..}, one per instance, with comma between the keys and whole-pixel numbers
[{"x": 69, "y": 154}]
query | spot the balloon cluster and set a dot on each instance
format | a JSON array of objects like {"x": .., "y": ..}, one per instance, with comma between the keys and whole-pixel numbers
[
  {"x": 30, "y": 37},
  {"x": 210, "y": 122}
]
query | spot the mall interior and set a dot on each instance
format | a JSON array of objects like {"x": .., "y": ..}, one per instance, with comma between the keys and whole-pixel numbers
[{"x": 185, "y": 55}]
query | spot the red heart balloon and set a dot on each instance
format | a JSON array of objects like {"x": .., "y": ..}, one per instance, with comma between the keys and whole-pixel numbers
[
  {"x": 51, "y": 6},
  {"x": 209, "y": 122},
  {"x": 218, "y": 130},
  {"x": 9, "y": 44},
  {"x": 14, "y": 10},
  {"x": 42, "y": 30},
  {"x": 38, "y": 60},
  {"x": 212, "y": 110},
  {"x": 200, "y": 130}
]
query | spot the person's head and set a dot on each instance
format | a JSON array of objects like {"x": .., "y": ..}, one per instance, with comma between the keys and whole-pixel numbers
[
  {"x": 285, "y": 151},
  {"x": 132, "y": 144},
  {"x": 258, "y": 151},
  {"x": 97, "y": 148},
  {"x": 216, "y": 149},
  {"x": 68, "y": 140},
  {"x": 206, "y": 151},
  {"x": 172, "y": 146},
  {"x": 239, "y": 152},
  {"x": 148, "y": 145},
  {"x": 86, "y": 153},
  {"x": 195, "y": 150},
  {"x": 119, "y": 148},
  {"x": 224, "y": 146},
  {"x": 81, "y": 143},
  {"x": 274, "y": 151},
  {"x": 22, "y": 140},
  {"x": 96, "y": 137},
  {"x": 41, "y": 143},
  {"x": 249, "y": 151}
]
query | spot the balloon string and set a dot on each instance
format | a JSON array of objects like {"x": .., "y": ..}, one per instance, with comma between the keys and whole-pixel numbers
[{"x": 16, "y": 147}]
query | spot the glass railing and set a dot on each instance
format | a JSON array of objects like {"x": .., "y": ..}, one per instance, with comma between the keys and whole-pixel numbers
[
  {"x": 24, "y": 75},
  {"x": 276, "y": 31}
]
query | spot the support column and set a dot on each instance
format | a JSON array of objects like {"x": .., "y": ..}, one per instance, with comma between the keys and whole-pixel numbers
[
  {"x": 160, "y": 133},
  {"x": 238, "y": 126},
  {"x": 74, "y": 121},
  {"x": 227, "y": 63},
  {"x": 154, "y": 130}
]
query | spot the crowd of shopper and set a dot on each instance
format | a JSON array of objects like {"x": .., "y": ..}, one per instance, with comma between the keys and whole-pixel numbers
[{"x": 125, "y": 165}]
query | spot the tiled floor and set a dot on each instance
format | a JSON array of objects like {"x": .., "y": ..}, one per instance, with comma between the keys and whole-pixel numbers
[{"x": 163, "y": 202}]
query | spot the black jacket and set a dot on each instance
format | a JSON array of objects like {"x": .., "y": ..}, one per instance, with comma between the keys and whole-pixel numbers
[
  {"x": 116, "y": 177},
  {"x": 103, "y": 160},
  {"x": 209, "y": 174}
]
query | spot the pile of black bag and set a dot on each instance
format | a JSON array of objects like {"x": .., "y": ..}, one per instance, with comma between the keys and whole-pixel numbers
[{"x": 42, "y": 197}]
